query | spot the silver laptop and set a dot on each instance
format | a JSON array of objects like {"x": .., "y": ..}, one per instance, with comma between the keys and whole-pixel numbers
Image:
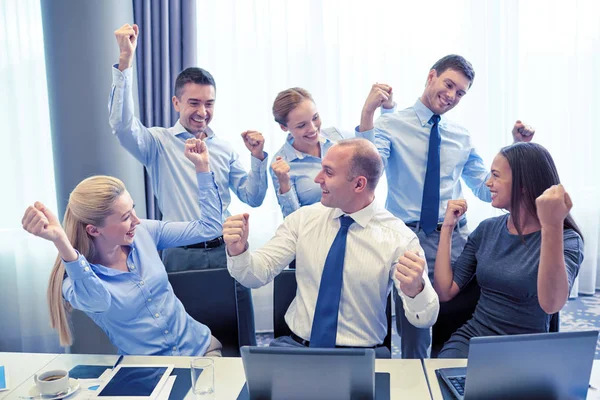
[
  {"x": 298, "y": 374},
  {"x": 534, "y": 366}
]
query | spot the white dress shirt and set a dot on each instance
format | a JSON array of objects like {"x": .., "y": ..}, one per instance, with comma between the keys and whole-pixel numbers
[{"x": 375, "y": 242}]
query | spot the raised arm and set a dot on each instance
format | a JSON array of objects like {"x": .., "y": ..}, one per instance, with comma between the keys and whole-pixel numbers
[
  {"x": 381, "y": 95},
  {"x": 82, "y": 289},
  {"x": 208, "y": 225},
  {"x": 250, "y": 187},
  {"x": 260, "y": 267},
  {"x": 443, "y": 280},
  {"x": 284, "y": 189},
  {"x": 132, "y": 134},
  {"x": 553, "y": 206},
  {"x": 420, "y": 301}
]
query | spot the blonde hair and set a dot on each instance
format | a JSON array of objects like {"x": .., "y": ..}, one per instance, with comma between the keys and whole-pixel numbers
[
  {"x": 286, "y": 101},
  {"x": 89, "y": 204}
]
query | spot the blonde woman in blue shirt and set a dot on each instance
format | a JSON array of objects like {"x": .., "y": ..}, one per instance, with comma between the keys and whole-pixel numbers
[
  {"x": 108, "y": 264},
  {"x": 298, "y": 161}
]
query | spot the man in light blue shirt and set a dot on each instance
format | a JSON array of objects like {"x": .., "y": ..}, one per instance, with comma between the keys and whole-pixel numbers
[
  {"x": 403, "y": 140},
  {"x": 160, "y": 150}
]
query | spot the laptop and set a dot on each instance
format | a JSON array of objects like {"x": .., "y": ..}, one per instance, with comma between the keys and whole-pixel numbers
[
  {"x": 278, "y": 373},
  {"x": 533, "y": 366}
]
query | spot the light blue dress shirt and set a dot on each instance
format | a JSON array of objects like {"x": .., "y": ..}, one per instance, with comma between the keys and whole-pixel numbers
[
  {"x": 402, "y": 139},
  {"x": 303, "y": 170},
  {"x": 161, "y": 151},
  {"x": 138, "y": 309},
  {"x": 305, "y": 167}
]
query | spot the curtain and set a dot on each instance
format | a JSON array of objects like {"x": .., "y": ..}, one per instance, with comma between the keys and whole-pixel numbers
[
  {"x": 27, "y": 176},
  {"x": 536, "y": 61},
  {"x": 166, "y": 46}
]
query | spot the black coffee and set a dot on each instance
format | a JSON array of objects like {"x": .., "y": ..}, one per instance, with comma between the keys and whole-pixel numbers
[{"x": 53, "y": 378}]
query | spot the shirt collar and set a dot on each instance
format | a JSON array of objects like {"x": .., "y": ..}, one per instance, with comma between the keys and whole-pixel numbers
[
  {"x": 179, "y": 130},
  {"x": 99, "y": 268},
  {"x": 423, "y": 113},
  {"x": 361, "y": 217},
  {"x": 291, "y": 153}
]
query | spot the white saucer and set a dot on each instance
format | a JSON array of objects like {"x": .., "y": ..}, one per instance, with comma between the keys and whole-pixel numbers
[{"x": 73, "y": 387}]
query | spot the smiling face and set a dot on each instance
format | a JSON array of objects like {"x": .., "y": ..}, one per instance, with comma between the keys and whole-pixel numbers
[
  {"x": 304, "y": 124},
  {"x": 195, "y": 106},
  {"x": 500, "y": 183},
  {"x": 119, "y": 227},
  {"x": 444, "y": 91},
  {"x": 337, "y": 189}
]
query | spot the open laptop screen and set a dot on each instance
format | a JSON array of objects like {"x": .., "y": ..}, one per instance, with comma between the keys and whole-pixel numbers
[{"x": 295, "y": 373}]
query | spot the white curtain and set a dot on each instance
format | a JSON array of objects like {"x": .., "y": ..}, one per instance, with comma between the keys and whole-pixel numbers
[
  {"x": 535, "y": 60},
  {"x": 27, "y": 175}
]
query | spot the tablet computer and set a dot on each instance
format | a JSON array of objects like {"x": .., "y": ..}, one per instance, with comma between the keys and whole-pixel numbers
[{"x": 135, "y": 382}]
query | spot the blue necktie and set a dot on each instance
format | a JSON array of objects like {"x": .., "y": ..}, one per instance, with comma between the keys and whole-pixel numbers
[
  {"x": 431, "y": 189},
  {"x": 324, "y": 327}
]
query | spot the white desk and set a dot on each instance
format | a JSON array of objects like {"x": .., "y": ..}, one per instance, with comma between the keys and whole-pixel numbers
[
  {"x": 406, "y": 376},
  {"x": 433, "y": 364},
  {"x": 21, "y": 366}
]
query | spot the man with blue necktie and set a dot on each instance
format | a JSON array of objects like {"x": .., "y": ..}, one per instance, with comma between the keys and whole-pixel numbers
[
  {"x": 349, "y": 252},
  {"x": 425, "y": 155}
]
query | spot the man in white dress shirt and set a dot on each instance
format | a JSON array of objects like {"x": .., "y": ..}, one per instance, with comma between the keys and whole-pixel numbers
[{"x": 379, "y": 251}]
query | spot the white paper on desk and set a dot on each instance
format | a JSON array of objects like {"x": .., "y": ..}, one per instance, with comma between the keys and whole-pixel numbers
[{"x": 166, "y": 389}]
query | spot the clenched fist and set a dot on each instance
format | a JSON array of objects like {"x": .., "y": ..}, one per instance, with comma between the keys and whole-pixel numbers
[
  {"x": 522, "y": 132},
  {"x": 41, "y": 222},
  {"x": 380, "y": 95},
  {"x": 454, "y": 210},
  {"x": 197, "y": 152},
  {"x": 409, "y": 271},
  {"x": 553, "y": 206},
  {"x": 235, "y": 233},
  {"x": 255, "y": 142},
  {"x": 282, "y": 172},
  {"x": 127, "y": 36}
]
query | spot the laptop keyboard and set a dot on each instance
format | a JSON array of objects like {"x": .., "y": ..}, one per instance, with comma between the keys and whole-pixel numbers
[{"x": 459, "y": 384}]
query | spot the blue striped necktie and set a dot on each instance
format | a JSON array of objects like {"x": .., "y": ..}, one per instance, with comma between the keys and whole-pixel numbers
[
  {"x": 430, "y": 205},
  {"x": 324, "y": 326}
]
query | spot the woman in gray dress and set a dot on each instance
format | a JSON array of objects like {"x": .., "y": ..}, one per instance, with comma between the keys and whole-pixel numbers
[{"x": 524, "y": 261}]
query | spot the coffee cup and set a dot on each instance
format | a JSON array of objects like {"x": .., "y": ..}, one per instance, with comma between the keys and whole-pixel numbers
[{"x": 52, "y": 382}]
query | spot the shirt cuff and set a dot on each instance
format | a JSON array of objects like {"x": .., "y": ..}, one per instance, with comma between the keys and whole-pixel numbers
[
  {"x": 206, "y": 179},
  {"x": 121, "y": 78},
  {"x": 78, "y": 269},
  {"x": 240, "y": 262},
  {"x": 388, "y": 110},
  {"x": 369, "y": 135},
  {"x": 420, "y": 302},
  {"x": 258, "y": 165}
]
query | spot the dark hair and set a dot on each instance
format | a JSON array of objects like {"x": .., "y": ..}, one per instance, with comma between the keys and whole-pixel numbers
[
  {"x": 195, "y": 75},
  {"x": 456, "y": 63},
  {"x": 533, "y": 171},
  {"x": 365, "y": 161}
]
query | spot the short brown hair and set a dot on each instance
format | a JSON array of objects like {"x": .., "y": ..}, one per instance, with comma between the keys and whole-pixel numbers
[{"x": 365, "y": 161}]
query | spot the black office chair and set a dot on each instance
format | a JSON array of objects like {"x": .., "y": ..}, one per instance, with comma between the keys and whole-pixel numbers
[
  {"x": 555, "y": 322},
  {"x": 284, "y": 291},
  {"x": 453, "y": 314},
  {"x": 209, "y": 296},
  {"x": 88, "y": 338}
]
